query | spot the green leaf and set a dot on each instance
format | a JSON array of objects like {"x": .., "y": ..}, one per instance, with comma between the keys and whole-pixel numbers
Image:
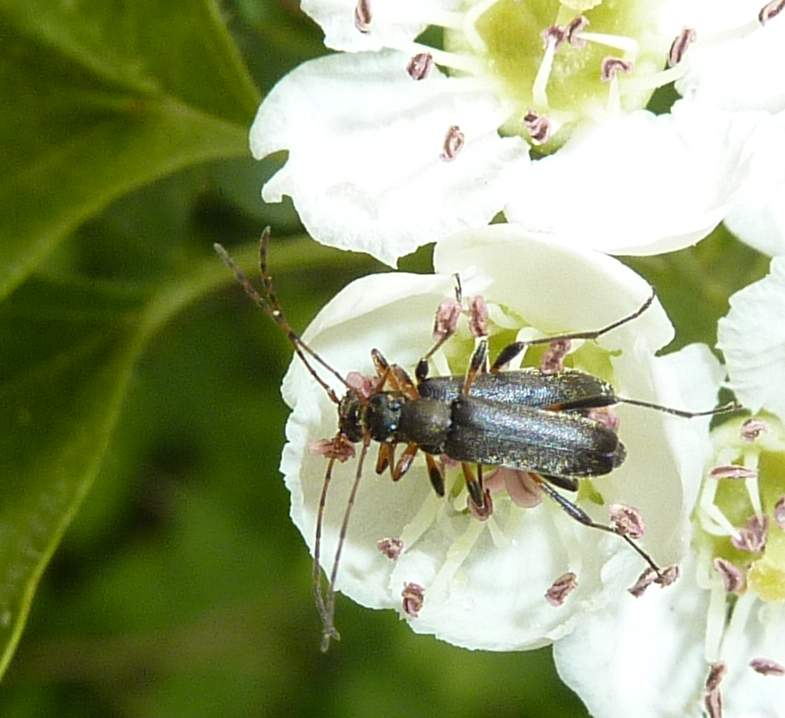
[
  {"x": 68, "y": 349},
  {"x": 102, "y": 97}
]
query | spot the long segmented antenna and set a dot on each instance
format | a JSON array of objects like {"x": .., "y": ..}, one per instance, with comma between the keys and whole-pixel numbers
[
  {"x": 724, "y": 409},
  {"x": 328, "y": 627},
  {"x": 272, "y": 307},
  {"x": 317, "y": 569}
]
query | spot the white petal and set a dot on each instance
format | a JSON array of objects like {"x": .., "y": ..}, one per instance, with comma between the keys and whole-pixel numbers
[
  {"x": 738, "y": 74},
  {"x": 365, "y": 140},
  {"x": 689, "y": 379},
  {"x": 640, "y": 657},
  {"x": 752, "y": 338},
  {"x": 758, "y": 215},
  {"x": 641, "y": 184},
  {"x": 394, "y": 22},
  {"x": 509, "y": 562}
]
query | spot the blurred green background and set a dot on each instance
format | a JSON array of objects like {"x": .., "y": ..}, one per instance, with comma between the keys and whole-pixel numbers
[{"x": 139, "y": 389}]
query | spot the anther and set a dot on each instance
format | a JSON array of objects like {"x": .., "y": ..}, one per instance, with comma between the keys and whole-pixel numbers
[
  {"x": 668, "y": 576},
  {"x": 478, "y": 317},
  {"x": 779, "y": 512},
  {"x": 554, "y": 36},
  {"x": 770, "y": 10},
  {"x": 363, "y": 15},
  {"x": 752, "y": 537},
  {"x": 453, "y": 143},
  {"x": 561, "y": 588},
  {"x": 360, "y": 384},
  {"x": 446, "y": 320},
  {"x": 338, "y": 448},
  {"x": 552, "y": 360},
  {"x": 733, "y": 471},
  {"x": 538, "y": 126},
  {"x": 611, "y": 66},
  {"x": 733, "y": 579},
  {"x": 712, "y": 699},
  {"x": 605, "y": 415},
  {"x": 767, "y": 667},
  {"x": 520, "y": 486},
  {"x": 627, "y": 521},
  {"x": 420, "y": 66},
  {"x": 753, "y": 428},
  {"x": 577, "y": 25},
  {"x": 646, "y": 579},
  {"x": 413, "y": 599},
  {"x": 390, "y": 547},
  {"x": 679, "y": 46}
]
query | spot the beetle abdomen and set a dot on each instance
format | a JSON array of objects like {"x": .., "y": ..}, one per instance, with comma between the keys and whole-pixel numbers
[{"x": 488, "y": 432}]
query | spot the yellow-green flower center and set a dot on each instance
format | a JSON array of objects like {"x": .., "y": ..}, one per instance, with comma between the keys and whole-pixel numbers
[{"x": 560, "y": 76}]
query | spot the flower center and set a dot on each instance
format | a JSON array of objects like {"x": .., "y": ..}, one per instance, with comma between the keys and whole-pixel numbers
[
  {"x": 565, "y": 61},
  {"x": 742, "y": 506}
]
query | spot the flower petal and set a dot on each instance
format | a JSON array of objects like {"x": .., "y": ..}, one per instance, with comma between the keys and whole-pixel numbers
[
  {"x": 752, "y": 338},
  {"x": 640, "y": 184},
  {"x": 393, "y": 23},
  {"x": 484, "y": 582},
  {"x": 736, "y": 74},
  {"x": 365, "y": 140}
]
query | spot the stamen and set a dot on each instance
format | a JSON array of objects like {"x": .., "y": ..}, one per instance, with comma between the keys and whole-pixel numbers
[
  {"x": 552, "y": 361},
  {"x": 645, "y": 580},
  {"x": 574, "y": 27},
  {"x": 362, "y": 385},
  {"x": 338, "y": 448},
  {"x": 627, "y": 521},
  {"x": 752, "y": 429},
  {"x": 770, "y": 10},
  {"x": 752, "y": 537},
  {"x": 446, "y": 320},
  {"x": 453, "y": 60},
  {"x": 779, "y": 512},
  {"x": 732, "y": 471},
  {"x": 683, "y": 40},
  {"x": 453, "y": 143},
  {"x": 611, "y": 66},
  {"x": 390, "y": 547},
  {"x": 420, "y": 66},
  {"x": 627, "y": 45},
  {"x": 473, "y": 14},
  {"x": 716, "y": 617},
  {"x": 767, "y": 667},
  {"x": 553, "y": 36},
  {"x": 668, "y": 576},
  {"x": 538, "y": 127},
  {"x": 733, "y": 579},
  {"x": 561, "y": 588},
  {"x": 712, "y": 699},
  {"x": 363, "y": 16},
  {"x": 478, "y": 317},
  {"x": 413, "y": 599}
]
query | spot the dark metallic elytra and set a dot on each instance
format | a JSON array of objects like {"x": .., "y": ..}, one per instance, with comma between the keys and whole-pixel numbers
[{"x": 525, "y": 419}]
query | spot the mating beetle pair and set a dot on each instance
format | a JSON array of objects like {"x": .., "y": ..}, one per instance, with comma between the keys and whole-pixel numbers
[{"x": 528, "y": 419}]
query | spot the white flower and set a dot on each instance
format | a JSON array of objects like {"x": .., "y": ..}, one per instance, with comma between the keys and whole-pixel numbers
[
  {"x": 713, "y": 642},
  {"x": 387, "y": 152},
  {"x": 482, "y": 584},
  {"x": 752, "y": 339}
]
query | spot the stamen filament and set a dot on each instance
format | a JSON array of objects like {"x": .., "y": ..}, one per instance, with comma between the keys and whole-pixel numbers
[
  {"x": 473, "y": 14},
  {"x": 751, "y": 483},
  {"x": 715, "y": 620},
  {"x": 453, "y": 60},
  {"x": 618, "y": 42},
  {"x": 539, "y": 88},
  {"x": 656, "y": 79},
  {"x": 451, "y": 20}
]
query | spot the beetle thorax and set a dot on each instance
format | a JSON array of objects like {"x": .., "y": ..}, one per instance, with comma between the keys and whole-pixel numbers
[{"x": 378, "y": 415}]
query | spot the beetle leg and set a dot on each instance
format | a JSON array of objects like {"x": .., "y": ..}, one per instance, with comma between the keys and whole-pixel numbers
[
  {"x": 511, "y": 351},
  {"x": 405, "y": 462},
  {"x": 473, "y": 486},
  {"x": 383, "y": 458},
  {"x": 435, "y": 474},
  {"x": 568, "y": 483},
  {"x": 577, "y": 513}
]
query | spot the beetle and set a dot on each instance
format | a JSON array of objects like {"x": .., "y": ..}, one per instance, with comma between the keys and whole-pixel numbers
[{"x": 527, "y": 419}]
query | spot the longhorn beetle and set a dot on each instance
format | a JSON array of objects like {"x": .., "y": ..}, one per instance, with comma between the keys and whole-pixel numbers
[{"x": 524, "y": 419}]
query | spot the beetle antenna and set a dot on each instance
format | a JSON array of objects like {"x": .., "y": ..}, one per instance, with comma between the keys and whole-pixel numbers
[
  {"x": 317, "y": 573},
  {"x": 269, "y": 303},
  {"x": 328, "y": 628},
  {"x": 724, "y": 409}
]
